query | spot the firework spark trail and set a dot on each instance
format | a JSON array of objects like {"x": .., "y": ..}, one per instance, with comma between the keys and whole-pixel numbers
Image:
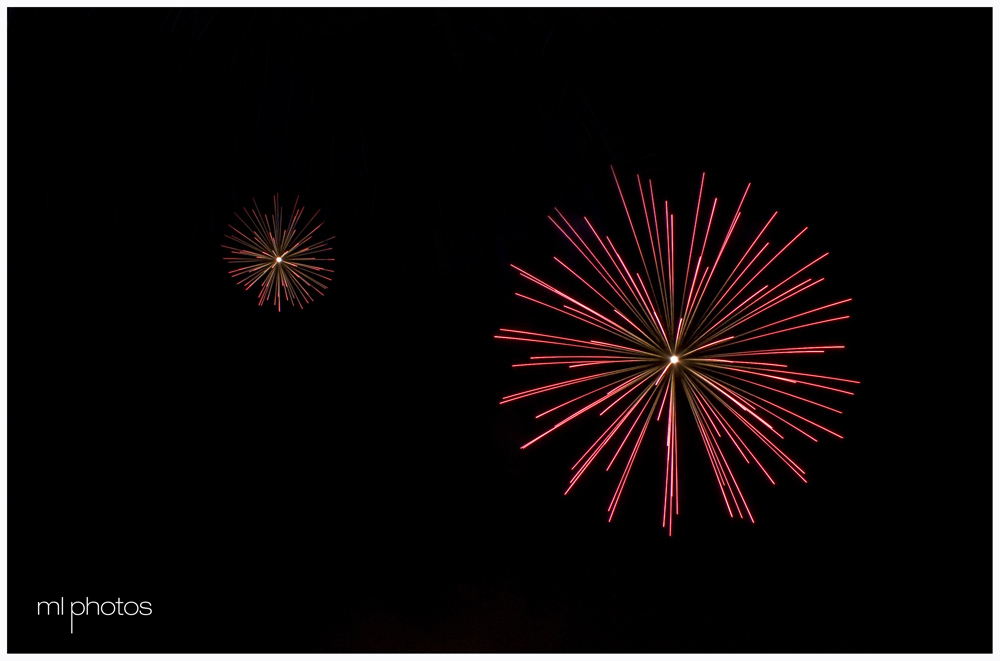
[
  {"x": 282, "y": 259},
  {"x": 681, "y": 335}
]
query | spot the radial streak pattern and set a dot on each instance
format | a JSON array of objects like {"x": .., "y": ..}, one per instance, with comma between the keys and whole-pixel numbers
[
  {"x": 282, "y": 259},
  {"x": 692, "y": 341}
]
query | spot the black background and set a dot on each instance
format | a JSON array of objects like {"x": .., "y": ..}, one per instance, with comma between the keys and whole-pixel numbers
[{"x": 341, "y": 478}]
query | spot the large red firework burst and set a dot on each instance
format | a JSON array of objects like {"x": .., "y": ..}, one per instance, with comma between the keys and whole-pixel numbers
[
  {"x": 282, "y": 259},
  {"x": 697, "y": 339}
]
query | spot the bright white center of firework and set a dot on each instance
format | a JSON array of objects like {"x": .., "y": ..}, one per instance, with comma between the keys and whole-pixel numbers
[
  {"x": 674, "y": 359},
  {"x": 278, "y": 260}
]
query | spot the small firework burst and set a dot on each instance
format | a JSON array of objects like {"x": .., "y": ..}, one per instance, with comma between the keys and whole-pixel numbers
[
  {"x": 680, "y": 340},
  {"x": 284, "y": 260}
]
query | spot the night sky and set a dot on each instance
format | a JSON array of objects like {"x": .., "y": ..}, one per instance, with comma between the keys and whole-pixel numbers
[{"x": 341, "y": 478}]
